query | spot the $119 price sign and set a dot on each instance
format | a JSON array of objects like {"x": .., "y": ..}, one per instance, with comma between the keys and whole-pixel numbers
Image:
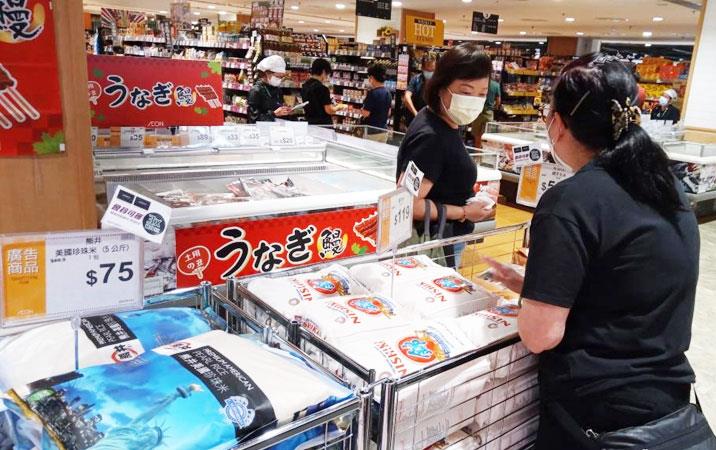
[
  {"x": 61, "y": 275},
  {"x": 395, "y": 219}
]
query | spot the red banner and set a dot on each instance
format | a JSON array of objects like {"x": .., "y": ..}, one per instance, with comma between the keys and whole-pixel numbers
[
  {"x": 126, "y": 91},
  {"x": 216, "y": 252},
  {"x": 30, "y": 104}
]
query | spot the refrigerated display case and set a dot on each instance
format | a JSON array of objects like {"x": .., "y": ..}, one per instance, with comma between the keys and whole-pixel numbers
[{"x": 694, "y": 164}]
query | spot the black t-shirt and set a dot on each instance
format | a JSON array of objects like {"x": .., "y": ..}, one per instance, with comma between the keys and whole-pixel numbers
[
  {"x": 629, "y": 276},
  {"x": 440, "y": 153},
  {"x": 263, "y": 101},
  {"x": 318, "y": 96},
  {"x": 377, "y": 101},
  {"x": 671, "y": 113}
]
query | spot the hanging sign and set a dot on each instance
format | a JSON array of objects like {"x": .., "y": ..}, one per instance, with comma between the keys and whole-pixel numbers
[
  {"x": 137, "y": 214},
  {"x": 395, "y": 219},
  {"x": 536, "y": 180},
  {"x": 30, "y": 104},
  {"x": 267, "y": 14},
  {"x": 55, "y": 276},
  {"x": 120, "y": 18},
  {"x": 154, "y": 92},
  {"x": 247, "y": 247},
  {"x": 484, "y": 23},
  {"x": 379, "y": 9},
  {"x": 422, "y": 31}
]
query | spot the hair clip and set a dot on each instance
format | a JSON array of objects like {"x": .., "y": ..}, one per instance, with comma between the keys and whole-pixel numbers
[
  {"x": 623, "y": 116},
  {"x": 579, "y": 103}
]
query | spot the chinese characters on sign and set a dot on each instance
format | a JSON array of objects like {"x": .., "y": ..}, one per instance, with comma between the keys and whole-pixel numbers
[
  {"x": 176, "y": 92},
  {"x": 217, "y": 252},
  {"x": 380, "y": 9},
  {"x": 134, "y": 213},
  {"x": 484, "y": 23},
  {"x": 30, "y": 106},
  {"x": 537, "y": 179},
  {"x": 267, "y": 14}
]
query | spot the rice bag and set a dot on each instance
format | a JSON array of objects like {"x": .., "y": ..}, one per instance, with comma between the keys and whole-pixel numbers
[
  {"x": 205, "y": 392},
  {"x": 49, "y": 350},
  {"x": 290, "y": 295},
  {"x": 377, "y": 276},
  {"x": 490, "y": 325}
]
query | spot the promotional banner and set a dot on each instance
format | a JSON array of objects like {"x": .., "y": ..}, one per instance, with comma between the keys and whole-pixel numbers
[
  {"x": 30, "y": 105},
  {"x": 267, "y": 14},
  {"x": 119, "y": 18},
  {"x": 216, "y": 252},
  {"x": 422, "y": 31},
  {"x": 154, "y": 92},
  {"x": 484, "y": 23}
]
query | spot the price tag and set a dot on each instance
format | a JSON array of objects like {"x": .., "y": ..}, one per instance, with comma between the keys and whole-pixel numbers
[
  {"x": 395, "y": 219},
  {"x": 538, "y": 179},
  {"x": 526, "y": 155},
  {"x": 131, "y": 137},
  {"x": 137, "y": 214},
  {"x": 228, "y": 136},
  {"x": 250, "y": 137},
  {"x": 53, "y": 276},
  {"x": 281, "y": 136},
  {"x": 412, "y": 179},
  {"x": 199, "y": 136},
  {"x": 94, "y": 134}
]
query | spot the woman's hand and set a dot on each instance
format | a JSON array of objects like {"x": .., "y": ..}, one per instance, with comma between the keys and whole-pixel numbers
[
  {"x": 282, "y": 111},
  {"x": 506, "y": 275},
  {"x": 478, "y": 210}
]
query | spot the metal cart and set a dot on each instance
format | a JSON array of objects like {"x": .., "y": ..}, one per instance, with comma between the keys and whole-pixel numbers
[{"x": 491, "y": 389}]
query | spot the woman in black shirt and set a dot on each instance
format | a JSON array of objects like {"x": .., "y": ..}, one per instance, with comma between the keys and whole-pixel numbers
[
  {"x": 320, "y": 108},
  {"x": 455, "y": 96},
  {"x": 608, "y": 295}
]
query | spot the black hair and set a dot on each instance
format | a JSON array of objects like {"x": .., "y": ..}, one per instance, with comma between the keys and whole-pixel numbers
[
  {"x": 321, "y": 65},
  {"x": 466, "y": 61},
  {"x": 584, "y": 96},
  {"x": 377, "y": 71}
]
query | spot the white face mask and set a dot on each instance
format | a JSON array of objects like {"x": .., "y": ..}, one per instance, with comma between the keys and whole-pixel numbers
[
  {"x": 275, "y": 81},
  {"x": 663, "y": 101},
  {"x": 464, "y": 109},
  {"x": 427, "y": 74},
  {"x": 556, "y": 157}
]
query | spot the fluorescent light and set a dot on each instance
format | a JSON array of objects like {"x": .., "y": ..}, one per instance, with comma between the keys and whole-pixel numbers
[
  {"x": 498, "y": 42},
  {"x": 397, "y": 4},
  {"x": 647, "y": 44},
  {"x": 541, "y": 43},
  {"x": 341, "y": 31},
  {"x": 197, "y": 13},
  {"x": 223, "y": 13},
  {"x": 473, "y": 32},
  {"x": 569, "y": 19},
  {"x": 579, "y": 33},
  {"x": 163, "y": 12},
  {"x": 657, "y": 19},
  {"x": 444, "y": 20},
  {"x": 467, "y": 1},
  {"x": 211, "y": 6},
  {"x": 294, "y": 7},
  {"x": 301, "y": 21},
  {"x": 522, "y": 33},
  {"x": 340, "y": 6},
  {"x": 647, "y": 34},
  {"x": 315, "y": 30},
  {"x": 500, "y": 20}
]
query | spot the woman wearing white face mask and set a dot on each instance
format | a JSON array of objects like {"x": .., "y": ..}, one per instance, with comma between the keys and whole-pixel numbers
[
  {"x": 455, "y": 96},
  {"x": 265, "y": 99}
]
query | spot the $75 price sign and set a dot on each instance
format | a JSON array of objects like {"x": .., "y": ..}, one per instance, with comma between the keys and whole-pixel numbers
[{"x": 54, "y": 276}]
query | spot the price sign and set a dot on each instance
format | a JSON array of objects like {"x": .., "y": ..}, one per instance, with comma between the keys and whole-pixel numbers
[
  {"x": 538, "y": 179},
  {"x": 131, "y": 137},
  {"x": 395, "y": 219},
  {"x": 412, "y": 179},
  {"x": 527, "y": 155},
  {"x": 137, "y": 214},
  {"x": 228, "y": 136},
  {"x": 199, "y": 136},
  {"x": 55, "y": 276},
  {"x": 94, "y": 134},
  {"x": 281, "y": 136},
  {"x": 250, "y": 137}
]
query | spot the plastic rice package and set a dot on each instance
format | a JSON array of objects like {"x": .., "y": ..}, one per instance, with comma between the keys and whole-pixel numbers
[
  {"x": 490, "y": 325},
  {"x": 290, "y": 295},
  {"x": 49, "y": 350},
  {"x": 377, "y": 276},
  {"x": 206, "y": 392}
]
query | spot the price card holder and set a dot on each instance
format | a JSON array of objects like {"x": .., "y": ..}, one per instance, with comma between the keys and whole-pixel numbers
[
  {"x": 527, "y": 155},
  {"x": 227, "y": 136},
  {"x": 395, "y": 219},
  {"x": 250, "y": 136},
  {"x": 538, "y": 179},
  {"x": 199, "y": 136},
  {"x": 281, "y": 136},
  {"x": 93, "y": 136},
  {"x": 54, "y": 276},
  {"x": 131, "y": 137}
]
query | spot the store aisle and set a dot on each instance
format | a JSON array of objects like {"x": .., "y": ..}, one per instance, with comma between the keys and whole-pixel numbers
[{"x": 703, "y": 351}]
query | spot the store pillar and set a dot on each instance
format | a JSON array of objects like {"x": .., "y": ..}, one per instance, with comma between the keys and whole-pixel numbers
[
  {"x": 56, "y": 192},
  {"x": 699, "y": 113}
]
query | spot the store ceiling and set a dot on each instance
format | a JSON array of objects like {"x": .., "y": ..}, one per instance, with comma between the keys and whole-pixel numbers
[{"x": 523, "y": 19}]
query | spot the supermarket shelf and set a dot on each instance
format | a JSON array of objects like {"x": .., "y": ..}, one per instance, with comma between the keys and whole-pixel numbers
[
  {"x": 666, "y": 83},
  {"x": 521, "y": 94},
  {"x": 348, "y": 114},
  {"x": 345, "y": 98},
  {"x": 211, "y": 44},
  {"x": 349, "y": 84},
  {"x": 237, "y": 87},
  {"x": 369, "y": 55},
  {"x": 243, "y": 110},
  {"x": 531, "y": 73},
  {"x": 227, "y": 65},
  {"x": 144, "y": 39},
  {"x": 521, "y": 113}
]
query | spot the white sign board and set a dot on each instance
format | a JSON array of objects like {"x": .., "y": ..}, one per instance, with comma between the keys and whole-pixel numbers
[
  {"x": 250, "y": 136},
  {"x": 137, "y": 214},
  {"x": 53, "y": 276},
  {"x": 200, "y": 136},
  {"x": 395, "y": 219},
  {"x": 282, "y": 136},
  {"x": 699, "y": 112},
  {"x": 412, "y": 179},
  {"x": 527, "y": 155},
  {"x": 538, "y": 179},
  {"x": 131, "y": 137}
]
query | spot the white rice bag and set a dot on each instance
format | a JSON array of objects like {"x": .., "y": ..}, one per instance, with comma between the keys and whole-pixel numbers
[
  {"x": 377, "y": 276},
  {"x": 490, "y": 325},
  {"x": 290, "y": 295}
]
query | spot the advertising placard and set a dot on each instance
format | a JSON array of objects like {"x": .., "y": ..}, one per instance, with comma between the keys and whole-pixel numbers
[
  {"x": 379, "y": 9},
  {"x": 484, "y": 23},
  {"x": 536, "y": 180},
  {"x": 423, "y": 31}
]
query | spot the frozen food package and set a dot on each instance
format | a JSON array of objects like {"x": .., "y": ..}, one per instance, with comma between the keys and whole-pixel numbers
[
  {"x": 290, "y": 295},
  {"x": 490, "y": 325},
  {"x": 49, "y": 350},
  {"x": 206, "y": 392}
]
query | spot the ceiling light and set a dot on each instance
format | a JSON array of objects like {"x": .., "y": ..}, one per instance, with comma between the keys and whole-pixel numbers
[
  {"x": 473, "y": 32},
  {"x": 500, "y": 20},
  {"x": 522, "y": 33},
  {"x": 294, "y": 7},
  {"x": 223, "y": 13},
  {"x": 327, "y": 21},
  {"x": 342, "y": 31},
  {"x": 340, "y": 6},
  {"x": 647, "y": 44},
  {"x": 301, "y": 21},
  {"x": 467, "y": 1},
  {"x": 163, "y": 12},
  {"x": 541, "y": 43},
  {"x": 211, "y": 6},
  {"x": 498, "y": 42},
  {"x": 657, "y": 19},
  {"x": 579, "y": 33},
  {"x": 315, "y": 30},
  {"x": 444, "y": 20},
  {"x": 197, "y": 13},
  {"x": 569, "y": 19},
  {"x": 397, "y": 4},
  {"x": 647, "y": 34}
]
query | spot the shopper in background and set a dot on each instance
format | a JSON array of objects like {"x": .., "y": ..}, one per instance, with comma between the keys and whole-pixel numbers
[
  {"x": 376, "y": 105},
  {"x": 665, "y": 110},
  {"x": 413, "y": 97},
  {"x": 455, "y": 96},
  {"x": 608, "y": 294},
  {"x": 320, "y": 107},
  {"x": 488, "y": 113},
  {"x": 265, "y": 99}
]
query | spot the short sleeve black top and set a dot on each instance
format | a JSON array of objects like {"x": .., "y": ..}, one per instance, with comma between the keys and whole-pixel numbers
[
  {"x": 671, "y": 113},
  {"x": 416, "y": 86},
  {"x": 377, "y": 101},
  {"x": 263, "y": 101},
  {"x": 629, "y": 276},
  {"x": 317, "y": 96},
  {"x": 438, "y": 151}
]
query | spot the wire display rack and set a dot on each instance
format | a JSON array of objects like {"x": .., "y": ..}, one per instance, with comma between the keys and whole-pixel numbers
[{"x": 490, "y": 391}]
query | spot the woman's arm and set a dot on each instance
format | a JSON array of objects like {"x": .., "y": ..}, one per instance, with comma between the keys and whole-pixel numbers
[{"x": 473, "y": 212}]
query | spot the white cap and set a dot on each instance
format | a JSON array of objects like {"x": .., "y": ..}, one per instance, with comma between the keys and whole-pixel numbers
[
  {"x": 273, "y": 63},
  {"x": 671, "y": 93}
]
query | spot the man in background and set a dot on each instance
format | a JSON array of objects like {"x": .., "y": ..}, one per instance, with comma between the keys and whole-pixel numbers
[
  {"x": 665, "y": 110},
  {"x": 413, "y": 97},
  {"x": 488, "y": 113}
]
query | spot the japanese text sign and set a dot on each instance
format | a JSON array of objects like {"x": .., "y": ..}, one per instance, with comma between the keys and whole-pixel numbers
[
  {"x": 137, "y": 214},
  {"x": 527, "y": 155},
  {"x": 423, "y": 31},
  {"x": 247, "y": 247},
  {"x": 380, "y": 9},
  {"x": 61, "y": 275},
  {"x": 412, "y": 179},
  {"x": 30, "y": 105},
  {"x": 536, "y": 180},
  {"x": 395, "y": 219},
  {"x": 485, "y": 23},
  {"x": 154, "y": 92}
]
